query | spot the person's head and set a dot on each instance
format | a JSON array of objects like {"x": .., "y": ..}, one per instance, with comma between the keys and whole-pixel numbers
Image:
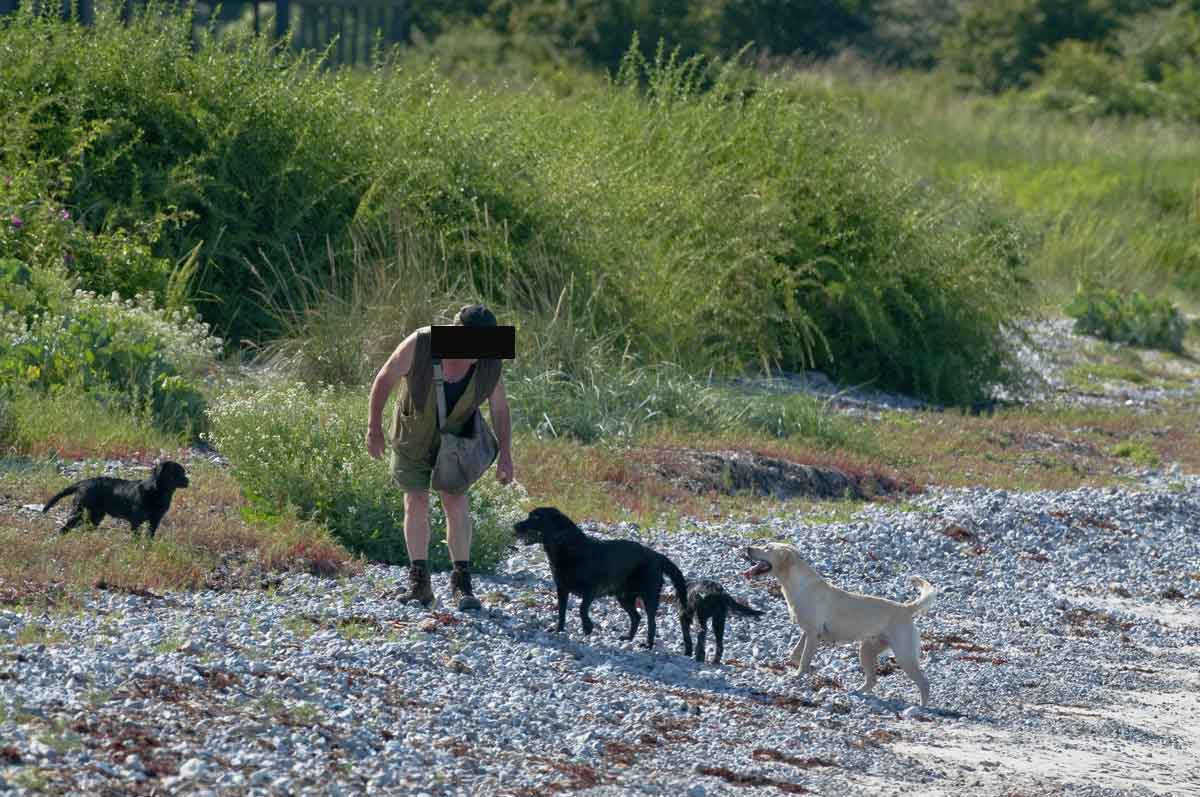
[{"x": 474, "y": 315}]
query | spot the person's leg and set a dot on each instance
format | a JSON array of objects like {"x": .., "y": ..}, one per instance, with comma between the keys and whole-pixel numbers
[
  {"x": 458, "y": 526},
  {"x": 416, "y": 524},
  {"x": 458, "y": 539},
  {"x": 416, "y": 540}
]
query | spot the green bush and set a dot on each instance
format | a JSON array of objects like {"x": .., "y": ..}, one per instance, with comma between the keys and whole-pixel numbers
[
  {"x": 1129, "y": 318},
  {"x": 705, "y": 219},
  {"x": 295, "y": 448},
  {"x": 41, "y": 229},
  {"x": 237, "y": 150},
  {"x": 1146, "y": 68},
  {"x": 999, "y": 44},
  {"x": 1083, "y": 79},
  {"x": 129, "y": 352}
]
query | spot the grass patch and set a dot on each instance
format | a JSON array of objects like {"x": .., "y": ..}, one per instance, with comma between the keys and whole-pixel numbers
[
  {"x": 35, "y": 780},
  {"x": 1136, "y": 452},
  {"x": 831, "y": 513},
  {"x": 301, "y": 626},
  {"x": 1021, "y": 449},
  {"x": 168, "y": 645},
  {"x": 610, "y": 483},
  {"x": 66, "y": 742},
  {"x": 73, "y": 425},
  {"x": 203, "y": 541},
  {"x": 1033, "y": 449},
  {"x": 1086, "y": 375},
  {"x": 357, "y": 630},
  {"x": 39, "y": 634}
]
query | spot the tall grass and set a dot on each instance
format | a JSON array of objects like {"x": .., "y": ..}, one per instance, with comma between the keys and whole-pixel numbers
[
  {"x": 702, "y": 222},
  {"x": 70, "y": 423},
  {"x": 568, "y": 379},
  {"x": 1114, "y": 203}
]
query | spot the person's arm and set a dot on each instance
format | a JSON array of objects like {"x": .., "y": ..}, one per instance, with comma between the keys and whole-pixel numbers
[
  {"x": 502, "y": 423},
  {"x": 396, "y": 367}
]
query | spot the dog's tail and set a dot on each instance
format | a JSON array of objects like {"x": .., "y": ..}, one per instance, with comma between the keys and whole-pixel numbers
[
  {"x": 924, "y": 601},
  {"x": 58, "y": 497},
  {"x": 740, "y": 607},
  {"x": 677, "y": 579}
]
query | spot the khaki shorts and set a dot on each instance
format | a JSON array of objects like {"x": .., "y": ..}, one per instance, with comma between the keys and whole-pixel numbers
[{"x": 413, "y": 473}]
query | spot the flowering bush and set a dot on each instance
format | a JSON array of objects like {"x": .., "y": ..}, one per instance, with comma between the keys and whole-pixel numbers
[
  {"x": 39, "y": 231},
  {"x": 295, "y": 448},
  {"x": 129, "y": 352}
]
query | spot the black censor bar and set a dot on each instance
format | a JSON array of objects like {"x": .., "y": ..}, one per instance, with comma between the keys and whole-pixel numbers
[{"x": 453, "y": 342}]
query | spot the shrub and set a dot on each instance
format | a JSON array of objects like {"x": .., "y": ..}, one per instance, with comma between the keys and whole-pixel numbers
[
  {"x": 706, "y": 219},
  {"x": 245, "y": 150},
  {"x": 999, "y": 45},
  {"x": 1082, "y": 78},
  {"x": 292, "y": 448},
  {"x": 41, "y": 231},
  {"x": 1128, "y": 318},
  {"x": 127, "y": 352}
]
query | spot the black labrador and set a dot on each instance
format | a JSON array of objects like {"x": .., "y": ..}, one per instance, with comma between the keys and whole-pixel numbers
[
  {"x": 592, "y": 568},
  {"x": 708, "y": 600},
  {"x": 137, "y": 502}
]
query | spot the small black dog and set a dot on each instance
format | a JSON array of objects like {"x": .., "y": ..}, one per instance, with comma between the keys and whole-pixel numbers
[
  {"x": 592, "y": 568},
  {"x": 138, "y": 502},
  {"x": 708, "y": 600}
]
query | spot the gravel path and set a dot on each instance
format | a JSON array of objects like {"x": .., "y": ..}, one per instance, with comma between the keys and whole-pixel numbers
[{"x": 1063, "y": 652}]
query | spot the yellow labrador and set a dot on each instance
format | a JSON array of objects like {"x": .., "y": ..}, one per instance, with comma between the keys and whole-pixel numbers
[{"x": 829, "y": 615}]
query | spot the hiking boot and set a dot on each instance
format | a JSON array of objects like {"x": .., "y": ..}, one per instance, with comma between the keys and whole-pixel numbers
[
  {"x": 419, "y": 587},
  {"x": 460, "y": 588}
]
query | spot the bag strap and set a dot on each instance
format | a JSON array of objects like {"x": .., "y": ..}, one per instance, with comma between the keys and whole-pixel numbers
[{"x": 439, "y": 387}]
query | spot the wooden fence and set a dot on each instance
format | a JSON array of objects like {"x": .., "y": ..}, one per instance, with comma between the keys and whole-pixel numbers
[
  {"x": 353, "y": 27},
  {"x": 357, "y": 25}
]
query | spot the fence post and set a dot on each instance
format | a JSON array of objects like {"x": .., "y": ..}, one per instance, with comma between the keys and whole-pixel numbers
[
  {"x": 283, "y": 13},
  {"x": 399, "y": 23}
]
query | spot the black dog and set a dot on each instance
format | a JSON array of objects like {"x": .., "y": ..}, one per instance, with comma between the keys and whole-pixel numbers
[
  {"x": 708, "y": 600},
  {"x": 138, "y": 502},
  {"x": 592, "y": 568}
]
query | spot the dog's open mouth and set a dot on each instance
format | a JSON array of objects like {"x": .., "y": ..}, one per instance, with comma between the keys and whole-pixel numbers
[{"x": 758, "y": 569}]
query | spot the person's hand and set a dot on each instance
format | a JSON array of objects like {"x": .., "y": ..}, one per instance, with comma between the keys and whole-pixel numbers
[
  {"x": 504, "y": 467},
  {"x": 375, "y": 442}
]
